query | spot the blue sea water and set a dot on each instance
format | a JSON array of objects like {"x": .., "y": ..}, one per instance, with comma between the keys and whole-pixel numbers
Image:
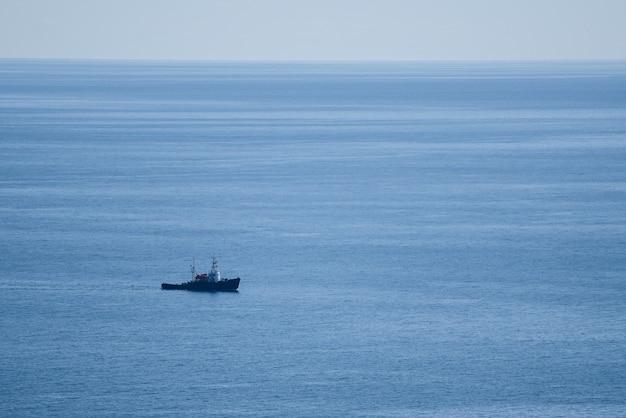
[{"x": 414, "y": 239}]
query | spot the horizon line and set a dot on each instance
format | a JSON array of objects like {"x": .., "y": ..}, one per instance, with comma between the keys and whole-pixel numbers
[{"x": 319, "y": 61}]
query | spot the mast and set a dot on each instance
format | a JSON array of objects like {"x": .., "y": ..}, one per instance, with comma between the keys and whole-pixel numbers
[
  {"x": 214, "y": 275},
  {"x": 193, "y": 269}
]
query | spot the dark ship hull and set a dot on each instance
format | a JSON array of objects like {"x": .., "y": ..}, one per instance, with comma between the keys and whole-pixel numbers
[{"x": 226, "y": 285}]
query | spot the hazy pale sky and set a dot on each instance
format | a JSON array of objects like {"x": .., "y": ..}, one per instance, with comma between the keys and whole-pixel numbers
[{"x": 314, "y": 29}]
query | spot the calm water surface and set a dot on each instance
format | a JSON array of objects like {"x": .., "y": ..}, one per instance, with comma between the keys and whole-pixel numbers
[{"x": 413, "y": 239}]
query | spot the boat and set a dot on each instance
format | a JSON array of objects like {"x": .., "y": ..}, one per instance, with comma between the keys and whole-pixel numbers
[{"x": 207, "y": 282}]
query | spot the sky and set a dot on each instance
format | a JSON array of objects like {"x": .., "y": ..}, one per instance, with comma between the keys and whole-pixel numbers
[{"x": 314, "y": 30}]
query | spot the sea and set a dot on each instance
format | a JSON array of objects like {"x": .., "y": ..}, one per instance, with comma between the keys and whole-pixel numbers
[{"x": 414, "y": 239}]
